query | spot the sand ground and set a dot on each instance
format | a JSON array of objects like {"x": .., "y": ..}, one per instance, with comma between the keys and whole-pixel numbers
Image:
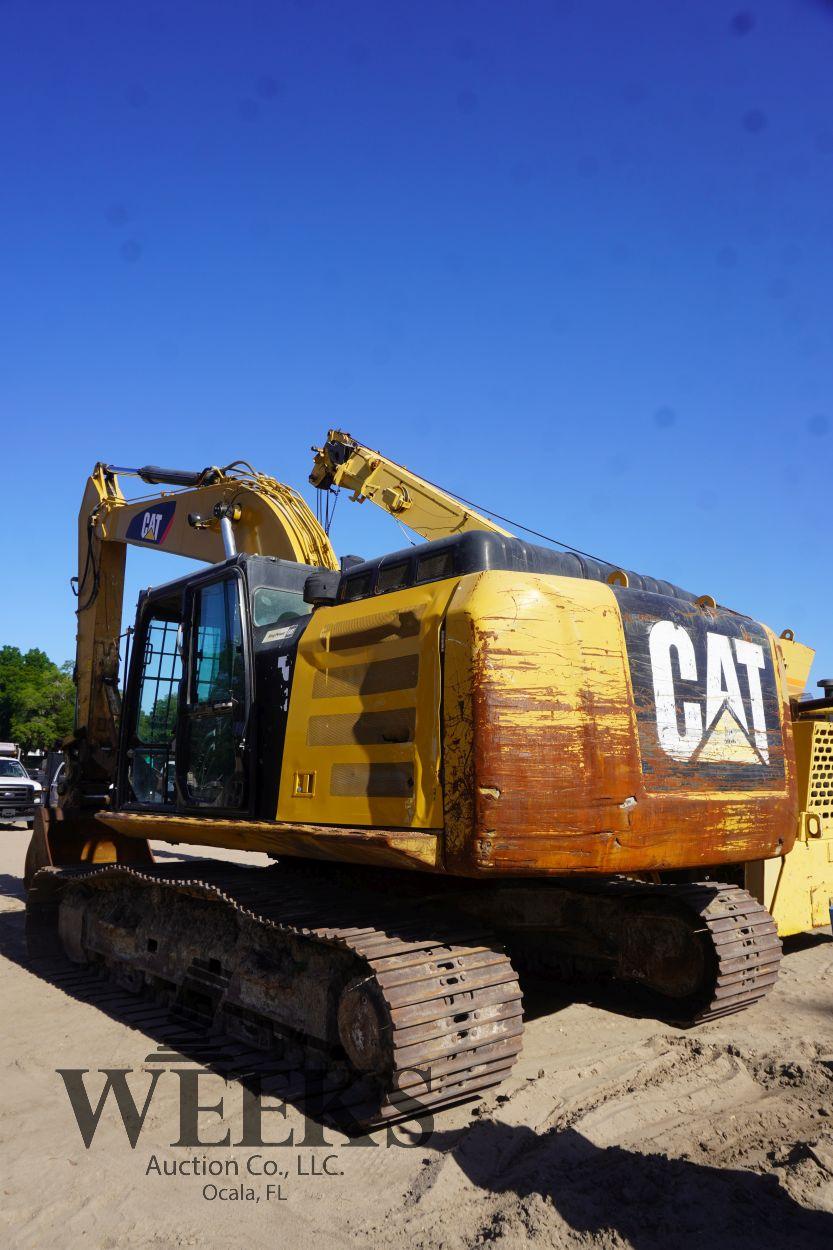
[{"x": 614, "y": 1131}]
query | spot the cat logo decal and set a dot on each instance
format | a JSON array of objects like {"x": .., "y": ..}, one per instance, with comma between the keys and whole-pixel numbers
[
  {"x": 717, "y": 728},
  {"x": 153, "y": 525},
  {"x": 706, "y": 693}
]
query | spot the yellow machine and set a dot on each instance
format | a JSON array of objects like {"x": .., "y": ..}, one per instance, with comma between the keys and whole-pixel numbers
[
  {"x": 471, "y": 755},
  {"x": 797, "y": 889}
]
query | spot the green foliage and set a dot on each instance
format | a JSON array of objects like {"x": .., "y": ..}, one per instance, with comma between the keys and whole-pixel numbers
[
  {"x": 159, "y": 725},
  {"x": 37, "y": 698}
]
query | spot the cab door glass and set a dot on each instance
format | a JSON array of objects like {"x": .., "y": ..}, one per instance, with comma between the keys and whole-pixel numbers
[
  {"x": 152, "y": 752},
  {"x": 214, "y": 771}
]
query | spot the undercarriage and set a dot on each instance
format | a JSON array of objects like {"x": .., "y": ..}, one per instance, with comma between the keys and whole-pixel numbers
[{"x": 411, "y": 1005}]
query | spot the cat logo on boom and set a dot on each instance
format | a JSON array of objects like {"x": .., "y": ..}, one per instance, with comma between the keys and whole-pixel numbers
[
  {"x": 152, "y": 526},
  {"x": 714, "y": 728}
]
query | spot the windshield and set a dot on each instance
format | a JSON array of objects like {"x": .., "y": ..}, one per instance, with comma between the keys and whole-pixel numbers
[{"x": 11, "y": 768}]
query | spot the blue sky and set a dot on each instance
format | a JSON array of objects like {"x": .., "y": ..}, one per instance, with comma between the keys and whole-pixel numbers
[{"x": 572, "y": 260}]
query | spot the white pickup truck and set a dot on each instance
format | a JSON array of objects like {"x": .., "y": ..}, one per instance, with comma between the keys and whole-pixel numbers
[{"x": 20, "y": 795}]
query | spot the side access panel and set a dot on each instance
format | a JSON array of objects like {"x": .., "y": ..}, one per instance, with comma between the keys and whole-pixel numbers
[{"x": 363, "y": 744}]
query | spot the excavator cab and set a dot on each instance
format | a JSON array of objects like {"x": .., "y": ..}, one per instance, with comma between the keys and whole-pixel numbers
[{"x": 193, "y": 740}]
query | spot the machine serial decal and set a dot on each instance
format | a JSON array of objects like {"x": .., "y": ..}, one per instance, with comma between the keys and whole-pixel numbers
[
  {"x": 707, "y": 702},
  {"x": 152, "y": 526}
]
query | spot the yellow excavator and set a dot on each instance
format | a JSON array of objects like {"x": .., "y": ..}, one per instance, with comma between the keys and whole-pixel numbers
[{"x": 467, "y": 757}]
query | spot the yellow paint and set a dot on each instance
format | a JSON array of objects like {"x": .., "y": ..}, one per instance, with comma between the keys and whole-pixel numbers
[
  {"x": 382, "y": 847},
  {"x": 425, "y": 508},
  {"x": 814, "y": 762},
  {"x": 798, "y": 888},
  {"x": 273, "y": 519},
  {"x": 798, "y": 660},
  {"x": 346, "y": 654},
  {"x": 558, "y": 642},
  {"x": 303, "y": 786}
]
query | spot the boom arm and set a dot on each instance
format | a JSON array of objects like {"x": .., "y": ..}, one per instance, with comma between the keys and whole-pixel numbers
[{"x": 423, "y": 507}]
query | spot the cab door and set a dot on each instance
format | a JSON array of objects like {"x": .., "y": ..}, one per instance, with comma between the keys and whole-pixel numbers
[{"x": 213, "y": 755}]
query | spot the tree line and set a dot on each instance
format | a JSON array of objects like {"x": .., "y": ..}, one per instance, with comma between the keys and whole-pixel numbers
[{"x": 37, "y": 698}]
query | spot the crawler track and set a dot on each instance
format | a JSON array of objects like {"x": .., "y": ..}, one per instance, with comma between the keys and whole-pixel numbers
[
  {"x": 729, "y": 961},
  {"x": 745, "y": 944},
  {"x": 408, "y": 1008},
  {"x": 400, "y": 1008},
  {"x": 696, "y": 951}
]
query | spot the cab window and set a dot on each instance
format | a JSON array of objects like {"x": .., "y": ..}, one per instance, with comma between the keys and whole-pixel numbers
[
  {"x": 439, "y": 564},
  {"x": 218, "y": 660},
  {"x": 271, "y": 606},
  {"x": 11, "y": 768},
  {"x": 151, "y": 771},
  {"x": 392, "y": 577},
  {"x": 357, "y": 587}
]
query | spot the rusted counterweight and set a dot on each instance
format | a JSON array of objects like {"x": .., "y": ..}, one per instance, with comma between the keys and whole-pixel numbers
[{"x": 592, "y": 729}]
